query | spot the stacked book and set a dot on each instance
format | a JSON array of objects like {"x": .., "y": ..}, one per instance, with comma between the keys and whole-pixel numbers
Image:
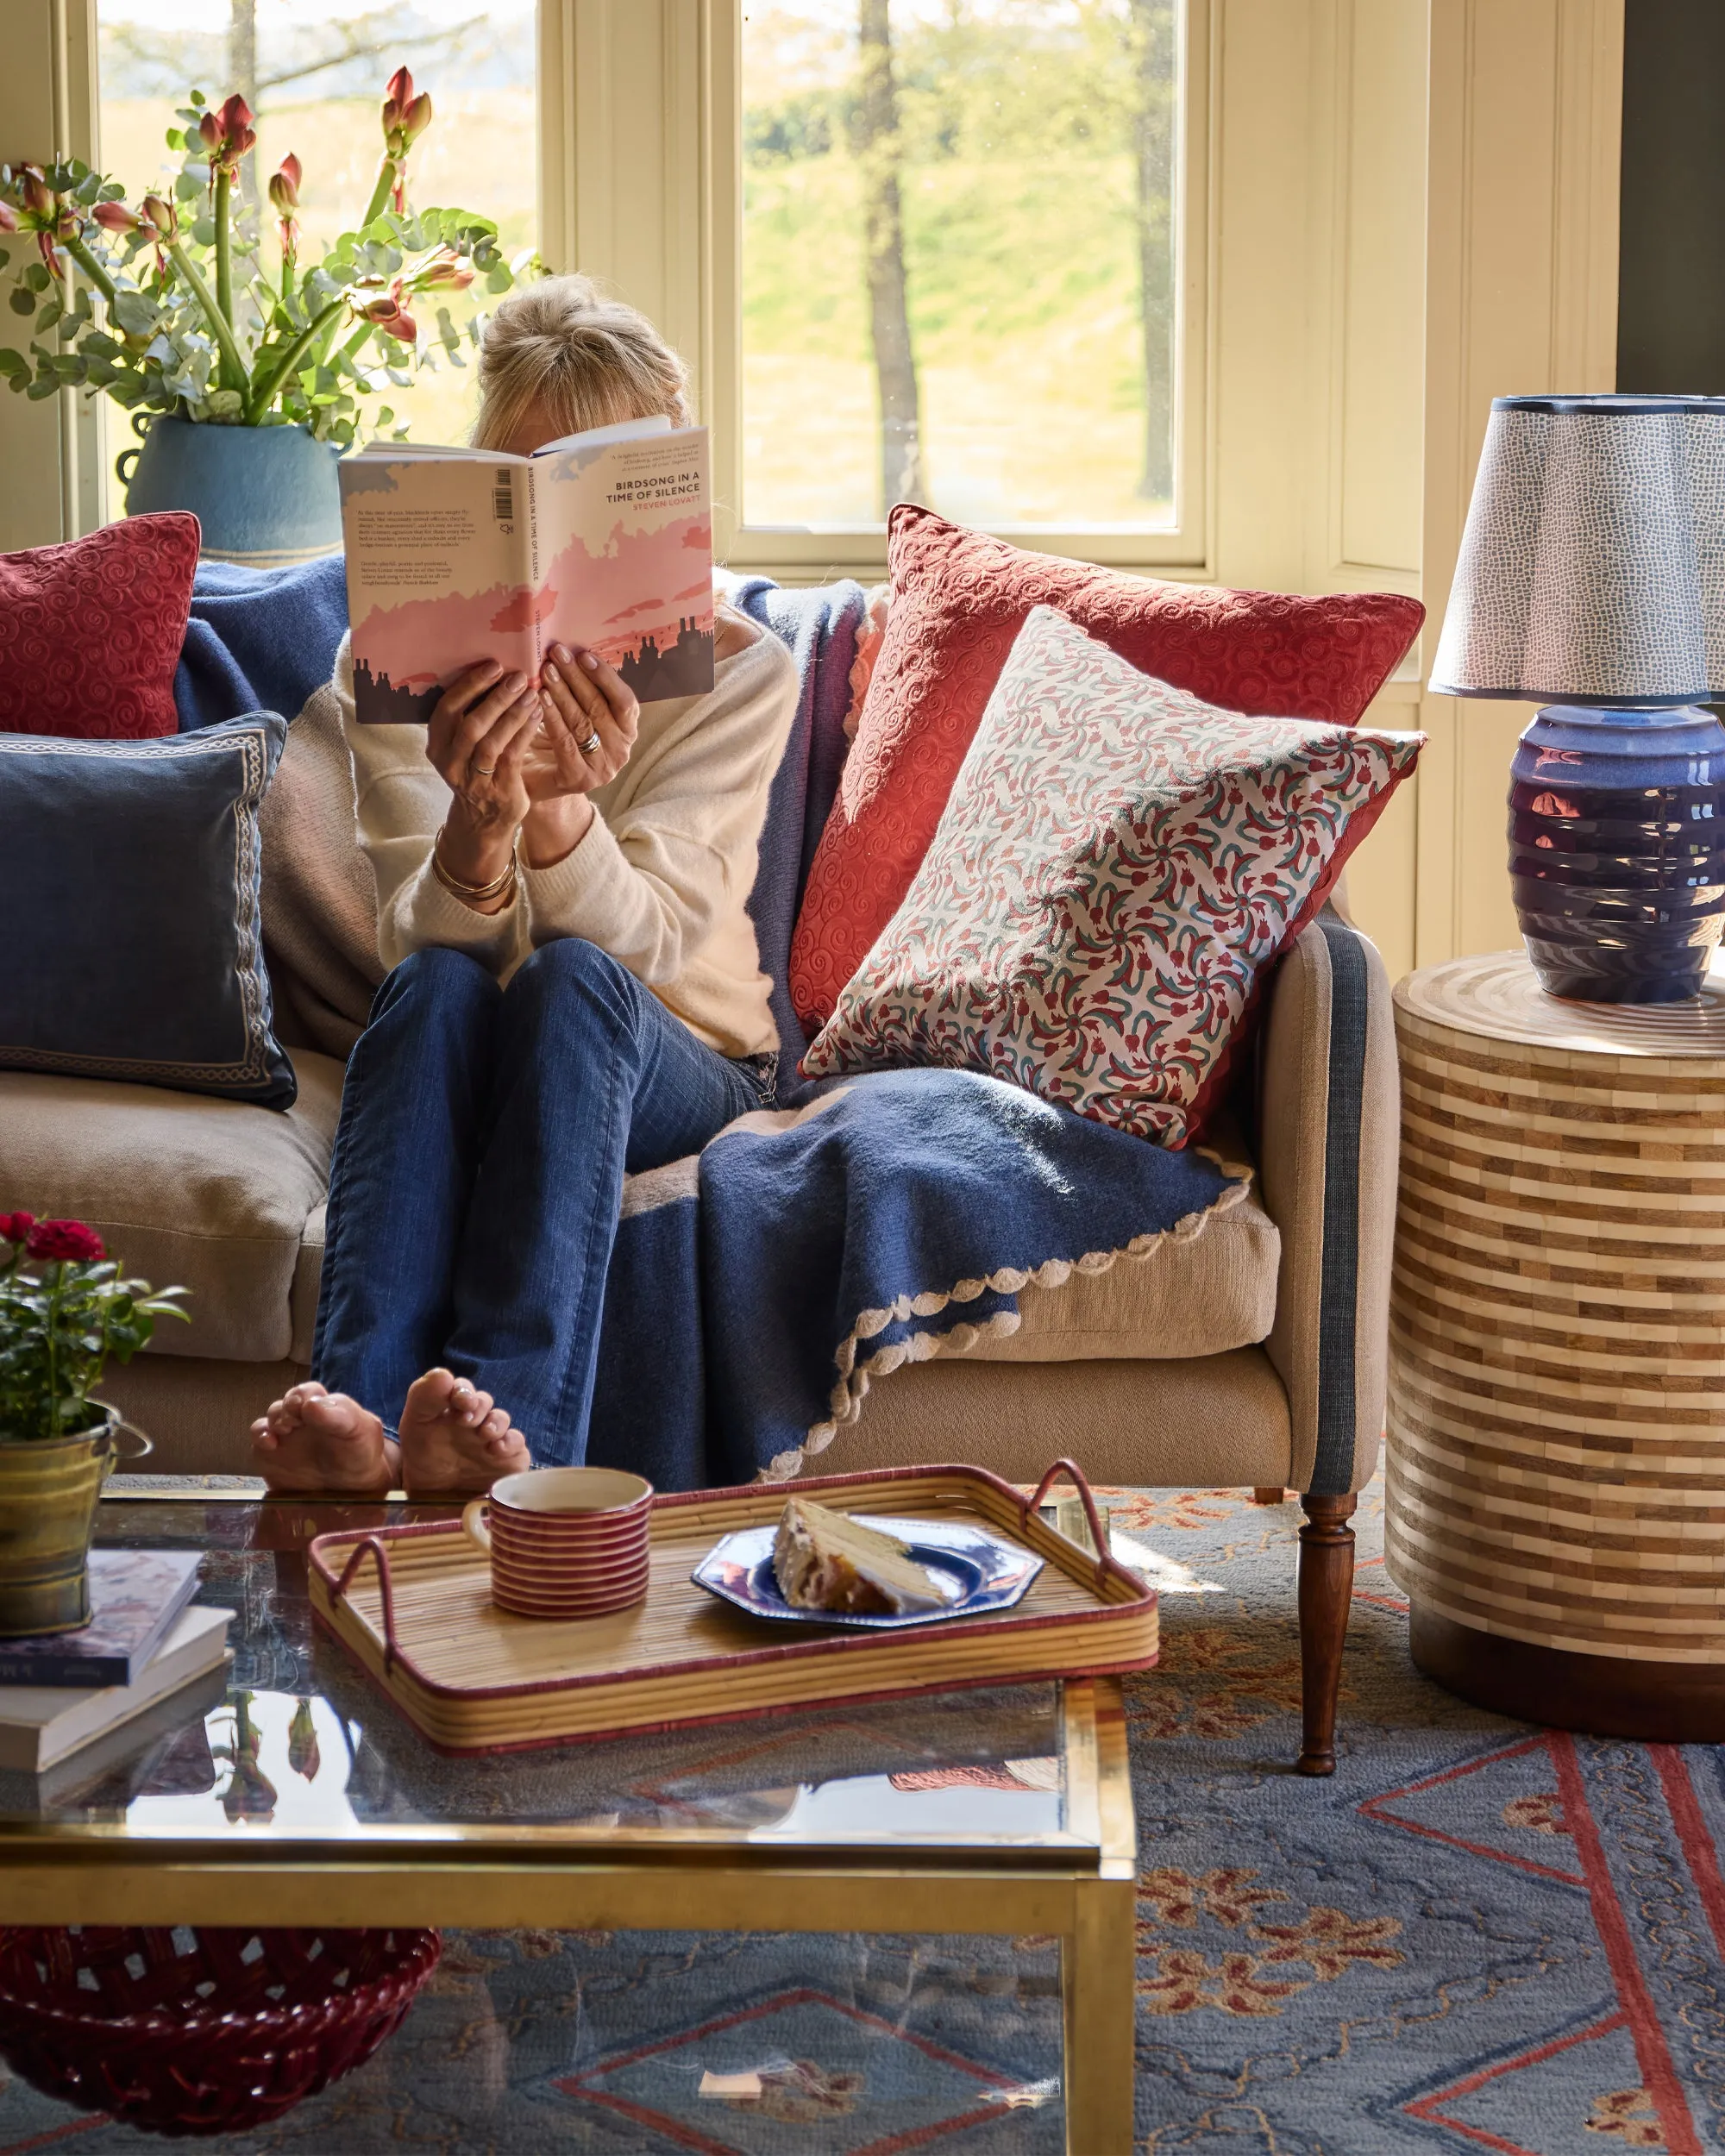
[{"x": 146, "y": 1639}]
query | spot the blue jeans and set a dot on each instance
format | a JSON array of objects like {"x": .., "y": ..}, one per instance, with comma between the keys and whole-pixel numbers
[{"x": 478, "y": 1176}]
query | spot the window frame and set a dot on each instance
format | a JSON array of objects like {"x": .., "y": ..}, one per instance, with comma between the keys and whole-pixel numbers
[{"x": 791, "y": 556}]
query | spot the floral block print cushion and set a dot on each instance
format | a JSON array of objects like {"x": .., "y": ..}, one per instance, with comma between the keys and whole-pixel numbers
[
  {"x": 958, "y": 599},
  {"x": 1117, "y": 865}
]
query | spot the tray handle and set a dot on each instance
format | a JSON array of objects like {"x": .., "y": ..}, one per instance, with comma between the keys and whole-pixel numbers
[
  {"x": 373, "y": 1548},
  {"x": 1075, "y": 1474}
]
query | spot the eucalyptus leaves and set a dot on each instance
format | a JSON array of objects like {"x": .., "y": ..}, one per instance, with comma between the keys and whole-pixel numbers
[{"x": 167, "y": 308}]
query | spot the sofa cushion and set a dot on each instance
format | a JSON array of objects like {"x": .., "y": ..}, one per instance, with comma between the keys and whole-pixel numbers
[
  {"x": 1203, "y": 1295},
  {"x": 215, "y": 1195},
  {"x": 1115, "y": 870},
  {"x": 90, "y": 631},
  {"x": 959, "y": 597},
  {"x": 135, "y": 865}
]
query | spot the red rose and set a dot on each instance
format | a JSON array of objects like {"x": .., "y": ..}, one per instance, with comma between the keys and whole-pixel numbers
[
  {"x": 14, "y": 1226},
  {"x": 71, "y": 1239}
]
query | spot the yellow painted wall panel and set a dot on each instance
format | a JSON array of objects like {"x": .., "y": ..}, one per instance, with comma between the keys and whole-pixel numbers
[{"x": 1383, "y": 357}]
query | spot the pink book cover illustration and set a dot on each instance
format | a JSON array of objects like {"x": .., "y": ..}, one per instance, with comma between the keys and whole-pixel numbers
[{"x": 603, "y": 540}]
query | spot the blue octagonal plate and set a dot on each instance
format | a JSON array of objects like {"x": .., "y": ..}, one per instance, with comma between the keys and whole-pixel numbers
[{"x": 988, "y": 1572}]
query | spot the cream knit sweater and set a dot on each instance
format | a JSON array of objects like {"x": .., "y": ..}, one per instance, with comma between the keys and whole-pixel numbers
[{"x": 660, "y": 881}]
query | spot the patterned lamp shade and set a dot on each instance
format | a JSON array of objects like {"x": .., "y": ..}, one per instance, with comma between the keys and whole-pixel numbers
[{"x": 1592, "y": 569}]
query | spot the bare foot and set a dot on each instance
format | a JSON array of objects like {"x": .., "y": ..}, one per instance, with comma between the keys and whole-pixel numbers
[
  {"x": 311, "y": 1440},
  {"x": 454, "y": 1441}
]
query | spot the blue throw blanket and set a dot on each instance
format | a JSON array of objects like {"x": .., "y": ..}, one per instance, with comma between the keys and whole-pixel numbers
[
  {"x": 259, "y": 640},
  {"x": 756, "y": 1289}
]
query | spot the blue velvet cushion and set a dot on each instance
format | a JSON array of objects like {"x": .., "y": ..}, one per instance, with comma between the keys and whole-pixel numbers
[{"x": 131, "y": 945}]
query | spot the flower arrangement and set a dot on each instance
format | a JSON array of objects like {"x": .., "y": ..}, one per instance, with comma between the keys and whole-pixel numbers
[
  {"x": 59, "y": 1322},
  {"x": 167, "y": 309}
]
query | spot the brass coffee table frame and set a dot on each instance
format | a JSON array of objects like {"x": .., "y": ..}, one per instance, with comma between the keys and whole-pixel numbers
[{"x": 1078, "y": 1885}]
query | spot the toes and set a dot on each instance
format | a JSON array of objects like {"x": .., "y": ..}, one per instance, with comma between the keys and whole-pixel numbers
[
  {"x": 468, "y": 1404},
  {"x": 429, "y": 1396}
]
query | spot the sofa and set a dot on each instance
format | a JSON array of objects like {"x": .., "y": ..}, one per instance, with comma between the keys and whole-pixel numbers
[{"x": 1251, "y": 1355}]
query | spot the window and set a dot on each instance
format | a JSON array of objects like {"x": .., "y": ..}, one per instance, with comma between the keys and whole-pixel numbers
[
  {"x": 314, "y": 71},
  {"x": 963, "y": 226}
]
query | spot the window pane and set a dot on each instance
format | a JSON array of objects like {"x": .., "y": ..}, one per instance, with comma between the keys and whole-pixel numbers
[
  {"x": 959, "y": 260},
  {"x": 314, "y": 71}
]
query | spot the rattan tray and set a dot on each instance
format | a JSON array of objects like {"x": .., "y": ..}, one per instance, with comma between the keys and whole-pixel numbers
[{"x": 413, "y": 1605}]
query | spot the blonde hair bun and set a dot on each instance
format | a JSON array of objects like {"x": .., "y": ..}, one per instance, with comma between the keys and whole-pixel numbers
[{"x": 582, "y": 360}]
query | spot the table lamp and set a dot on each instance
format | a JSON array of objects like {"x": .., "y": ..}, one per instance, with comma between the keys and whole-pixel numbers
[{"x": 1591, "y": 580}]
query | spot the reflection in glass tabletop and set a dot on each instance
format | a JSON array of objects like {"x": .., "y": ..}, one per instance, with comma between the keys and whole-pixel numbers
[{"x": 299, "y": 1746}]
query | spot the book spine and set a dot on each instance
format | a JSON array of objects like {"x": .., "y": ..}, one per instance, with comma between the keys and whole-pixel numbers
[
  {"x": 536, "y": 567},
  {"x": 67, "y": 1672}
]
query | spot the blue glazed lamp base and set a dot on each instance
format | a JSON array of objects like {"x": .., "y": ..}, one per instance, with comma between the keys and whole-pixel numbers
[{"x": 1617, "y": 849}]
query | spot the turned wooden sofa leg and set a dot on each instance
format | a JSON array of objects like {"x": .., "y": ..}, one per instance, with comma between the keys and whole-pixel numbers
[{"x": 1326, "y": 1591}]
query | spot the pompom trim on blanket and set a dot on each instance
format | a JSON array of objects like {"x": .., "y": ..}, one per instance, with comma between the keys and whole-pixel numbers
[{"x": 857, "y": 1370}]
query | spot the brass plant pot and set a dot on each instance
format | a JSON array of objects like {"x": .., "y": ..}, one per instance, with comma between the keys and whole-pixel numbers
[{"x": 48, "y": 1489}]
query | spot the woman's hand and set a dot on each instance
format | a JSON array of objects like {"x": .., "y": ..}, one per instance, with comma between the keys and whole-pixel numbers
[
  {"x": 477, "y": 741},
  {"x": 591, "y": 720},
  {"x": 589, "y": 723}
]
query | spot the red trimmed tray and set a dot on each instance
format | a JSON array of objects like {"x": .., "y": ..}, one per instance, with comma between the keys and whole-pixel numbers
[{"x": 413, "y": 1606}]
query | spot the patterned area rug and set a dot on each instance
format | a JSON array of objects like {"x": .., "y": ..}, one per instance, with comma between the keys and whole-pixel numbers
[{"x": 1477, "y": 1936}]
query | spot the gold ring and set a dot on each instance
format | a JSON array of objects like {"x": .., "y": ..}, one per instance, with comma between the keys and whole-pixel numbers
[
  {"x": 482, "y": 770},
  {"x": 590, "y": 744}
]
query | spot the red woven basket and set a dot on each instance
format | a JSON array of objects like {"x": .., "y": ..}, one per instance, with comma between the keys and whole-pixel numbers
[{"x": 207, "y": 2031}]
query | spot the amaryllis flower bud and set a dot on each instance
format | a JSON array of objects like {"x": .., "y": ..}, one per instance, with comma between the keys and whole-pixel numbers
[
  {"x": 418, "y": 117},
  {"x": 114, "y": 216},
  {"x": 37, "y": 196},
  {"x": 8, "y": 222},
  {"x": 162, "y": 215},
  {"x": 284, "y": 186},
  {"x": 443, "y": 270},
  {"x": 210, "y": 131},
  {"x": 398, "y": 95},
  {"x": 386, "y": 313}
]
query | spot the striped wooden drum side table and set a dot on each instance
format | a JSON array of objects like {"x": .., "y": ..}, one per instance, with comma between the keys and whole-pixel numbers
[{"x": 1556, "y": 1457}]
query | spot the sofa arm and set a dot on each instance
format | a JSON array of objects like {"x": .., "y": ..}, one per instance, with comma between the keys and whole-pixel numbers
[{"x": 1329, "y": 1127}]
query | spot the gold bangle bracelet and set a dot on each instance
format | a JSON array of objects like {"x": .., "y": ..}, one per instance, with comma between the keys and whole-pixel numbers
[{"x": 473, "y": 892}]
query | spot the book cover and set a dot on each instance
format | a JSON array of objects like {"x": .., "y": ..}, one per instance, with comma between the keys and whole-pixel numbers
[
  {"x": 41, "y": 1724},
  {"x": 455, "y": 556},
  {"x": 134, "y": 1595}
]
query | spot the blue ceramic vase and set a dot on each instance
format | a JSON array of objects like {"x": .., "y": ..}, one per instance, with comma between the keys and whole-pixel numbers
[
  {"x": 266, "y": 497},
  {"x": 1617, "y": 849}
]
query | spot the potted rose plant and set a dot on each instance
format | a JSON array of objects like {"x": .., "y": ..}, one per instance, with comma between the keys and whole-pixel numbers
[
  {"x": 246, "y": 377},
  {"x": 64, "y": 1310}
]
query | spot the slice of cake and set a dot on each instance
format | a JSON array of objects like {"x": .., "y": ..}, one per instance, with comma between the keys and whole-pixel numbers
[{"x": 823, "y": 1560}]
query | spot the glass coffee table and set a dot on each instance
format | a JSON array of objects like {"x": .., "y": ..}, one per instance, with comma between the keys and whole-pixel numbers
[{"x": 1006, "y": 1811}]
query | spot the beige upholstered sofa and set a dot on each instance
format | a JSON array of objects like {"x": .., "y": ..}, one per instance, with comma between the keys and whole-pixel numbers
[{"x": 1251, "y": 1355}]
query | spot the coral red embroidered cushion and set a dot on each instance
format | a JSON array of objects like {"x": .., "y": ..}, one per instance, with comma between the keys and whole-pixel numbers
[
  {"x": 91, "y": 632},
  {"x": 1118, "y": 864},
  {"x": 958, "y": 599}
]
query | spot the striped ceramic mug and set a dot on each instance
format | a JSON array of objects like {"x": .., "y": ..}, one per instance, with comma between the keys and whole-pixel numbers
[{"x": 565, "y": 1541}]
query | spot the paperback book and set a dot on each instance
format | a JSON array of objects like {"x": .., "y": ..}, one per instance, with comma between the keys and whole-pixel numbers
[
  {"x": 134, "y": 1596},
  {"x": 602, "y": 540},
  {"x": 41, "y": 1724}
]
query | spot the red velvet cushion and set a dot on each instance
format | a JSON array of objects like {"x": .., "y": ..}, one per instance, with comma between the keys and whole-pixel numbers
[
  {"x": 959, "y": 598},
  {"x": 91, "y": 632}
]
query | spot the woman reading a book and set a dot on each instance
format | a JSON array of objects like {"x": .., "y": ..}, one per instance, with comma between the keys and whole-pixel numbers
[{"x": 575, "y": 991}]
